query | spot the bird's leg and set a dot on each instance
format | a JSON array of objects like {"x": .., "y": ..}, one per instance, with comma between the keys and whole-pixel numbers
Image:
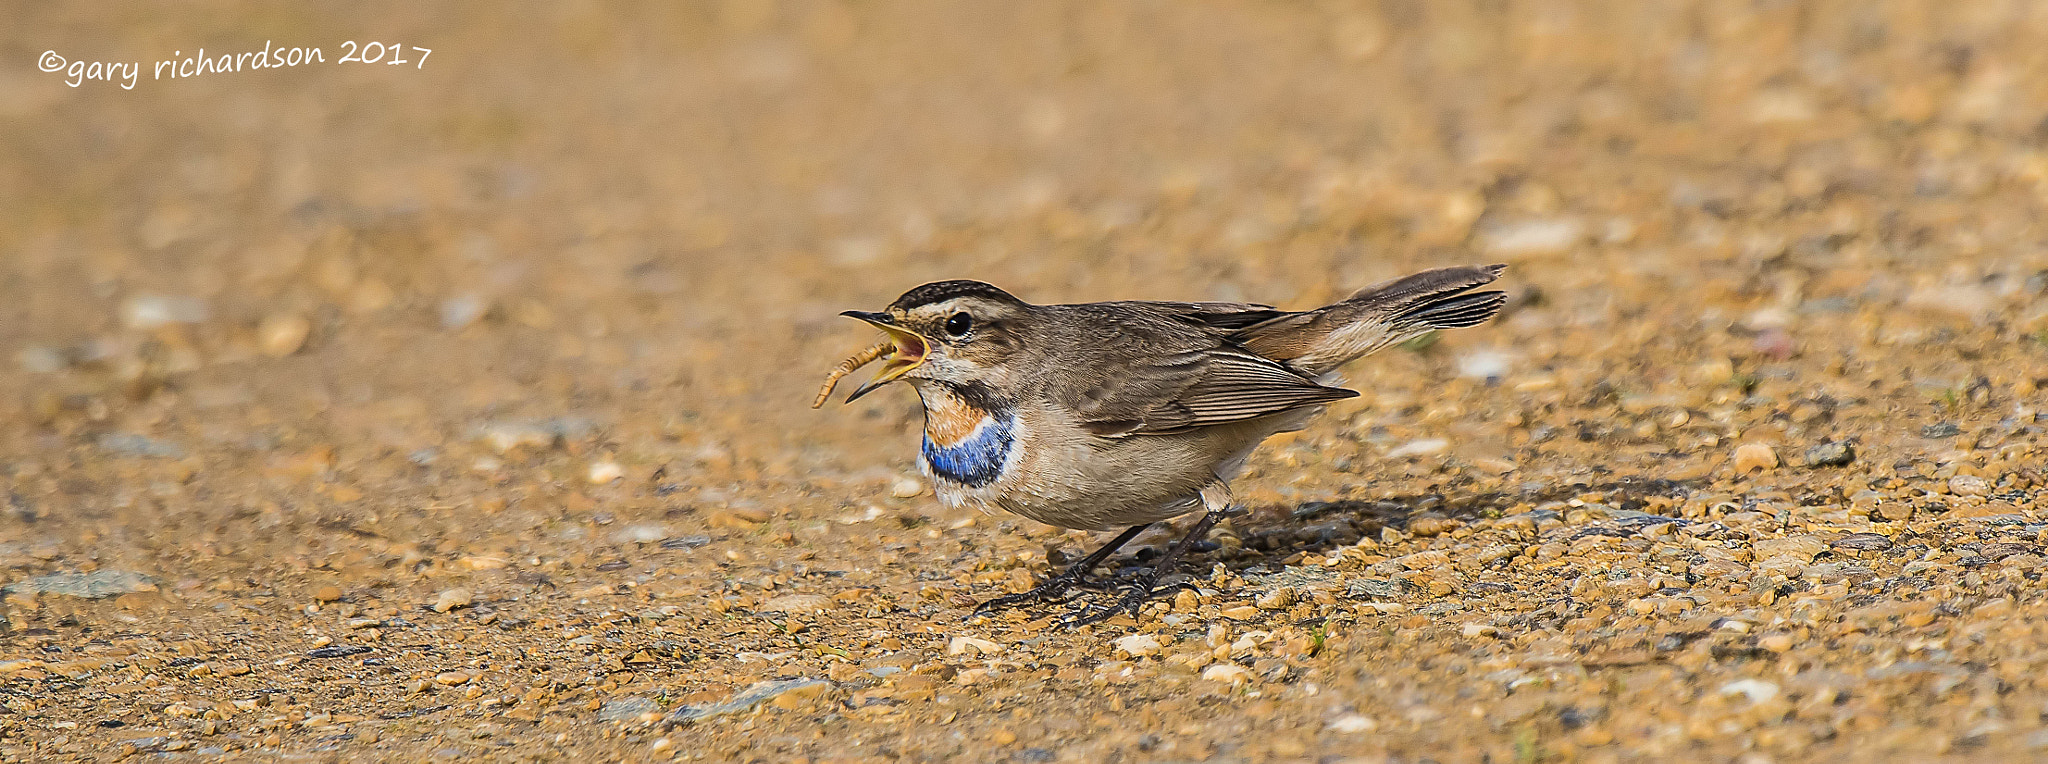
[
  {"x": 1216, "y": 498},
  {"x": 1074, "y": 575}
]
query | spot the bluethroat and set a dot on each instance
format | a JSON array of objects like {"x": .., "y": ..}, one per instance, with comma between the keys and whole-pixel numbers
[{"x": 1109, "y": 415}]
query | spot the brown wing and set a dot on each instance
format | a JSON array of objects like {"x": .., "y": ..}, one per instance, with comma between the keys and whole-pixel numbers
[
  {"x": 1164, "y": 381},
  {"x": 1218, "y": 315}
]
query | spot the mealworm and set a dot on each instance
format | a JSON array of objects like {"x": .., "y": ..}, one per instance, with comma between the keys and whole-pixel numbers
[{"x": 848, "y": 366}]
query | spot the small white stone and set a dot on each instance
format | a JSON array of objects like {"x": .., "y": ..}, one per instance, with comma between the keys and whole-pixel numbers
[
  {"x": 605, "y": 472},
  {"x": 151, "y": 311},
  {"x": 1757, "y": 690},
  {"x": 462, "y": 310},
  {"x": 1755, "y": 456},
  {"x": 1352, "y": 724},
  {"x": 1485, "y": 364},
  {"x": 640, "y": 533},
  {"x": 1227, "y": 672},
  {"x": 1533, "y": 238},
  {"x": 962, "y": 644},
  {"x": 1968, "y": 485},
  {"x": 1137, "y": 645},
  {"x": 1249, "y": 641},
  {"x": 1423, "y": 447},
  {"x": 905, "y": 488},
  {"x": 452, "y": 599}
]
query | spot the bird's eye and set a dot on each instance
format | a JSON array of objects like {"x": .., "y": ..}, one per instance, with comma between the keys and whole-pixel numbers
[{"x": 959, "y": 324}]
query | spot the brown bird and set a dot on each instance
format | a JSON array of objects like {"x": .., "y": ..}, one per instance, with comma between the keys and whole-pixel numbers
[{"x": 1110, "y": 415}]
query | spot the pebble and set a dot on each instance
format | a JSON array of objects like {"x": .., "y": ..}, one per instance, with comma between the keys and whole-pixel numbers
[
  {"x": 1353, "y": 724},
  {"x": 1755, "y": 456},
  {"x": 146, "y": 312},
  {"x": 129, "y": 444},
  {"x": 1969, "y": 485},
  {"x": 1277, "y": 599},
  {"x": 1485, "y": 364},
  {"x": 797, "y": 603},
  {"x": 1137, "y": 645},
  {"x": 604, "y": 472},
  {"x": 462, "y": 310},
  {"x": 905, "y": 488},
  {"x": 1429, "y": 525},
  {"x": 1756, "y": 690},
  {"x": 451, "y": 678},
  {"x": 1430, "y": 560},
  {"x": 1228, "y": 673},
  {"x": 508, "y": 435},
  {"x": 1528, "y": 239},
  {"x": 452, "y": 599},
  {"x": 753, "y": 695},
  {"x": 963, "y": 645},
  {"x": 1424, "y": 447},
  {"x": 327, "y": 594},
  {"x": 282, "y": 334},
  {"x": 1862, "y": 542},
  {"x": 1941, "y": 430},
  {"x": 627, "y": 709},
  {"x": 1833, "y": 454},
  {"x": 640, "y": 533},
  {"x": 99, "y": 584},
  {"x": 1800, "y": 548},
  {"x": 736, "y": 519}
]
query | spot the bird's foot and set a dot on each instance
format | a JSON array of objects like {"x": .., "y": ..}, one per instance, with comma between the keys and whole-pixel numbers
[
  {"x": 1053, "y": 589},
  {"x": 1146, "y": 586},
  {"x": 1132, "y": 601}
]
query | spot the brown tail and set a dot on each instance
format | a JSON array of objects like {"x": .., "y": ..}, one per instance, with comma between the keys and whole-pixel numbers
[{"x": 1375, "y": 317}]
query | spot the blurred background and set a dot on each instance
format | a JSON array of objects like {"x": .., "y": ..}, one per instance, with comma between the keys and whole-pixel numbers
[
  {"x": 585, "y": 241},
  {"x": 659, "y": 209}
]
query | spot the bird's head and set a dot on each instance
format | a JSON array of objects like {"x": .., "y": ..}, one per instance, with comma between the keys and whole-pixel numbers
[{"x": 959, "y": 332}]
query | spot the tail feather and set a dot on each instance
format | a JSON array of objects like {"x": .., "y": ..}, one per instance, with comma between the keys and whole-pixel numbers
[
  {"x": 1454, "y": 312},
  {"x": 1318, "y": 341},
  {"x": 1431, "y": 283}
]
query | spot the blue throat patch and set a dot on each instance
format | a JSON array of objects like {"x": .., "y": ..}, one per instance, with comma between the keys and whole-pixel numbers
[{"x": 978, "y": 460}]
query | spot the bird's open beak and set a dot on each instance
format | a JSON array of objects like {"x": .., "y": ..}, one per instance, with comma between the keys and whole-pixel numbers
[{"x": 910, "y": 351}]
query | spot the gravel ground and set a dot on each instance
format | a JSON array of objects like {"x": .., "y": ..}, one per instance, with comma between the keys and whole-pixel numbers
[{"x": 458, "y": 410}]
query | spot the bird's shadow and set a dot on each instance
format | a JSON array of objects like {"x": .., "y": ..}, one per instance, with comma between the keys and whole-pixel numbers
[{"x": 1274, "y": 535}]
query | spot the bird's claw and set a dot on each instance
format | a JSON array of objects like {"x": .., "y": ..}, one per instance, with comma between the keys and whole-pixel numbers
[
  {"x": 1054, "y": 588},
  {"x": 1132, "y": 601}
]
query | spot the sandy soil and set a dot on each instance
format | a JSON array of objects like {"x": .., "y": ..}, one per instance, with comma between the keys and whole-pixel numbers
[{"x": 456, "y": 409}]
